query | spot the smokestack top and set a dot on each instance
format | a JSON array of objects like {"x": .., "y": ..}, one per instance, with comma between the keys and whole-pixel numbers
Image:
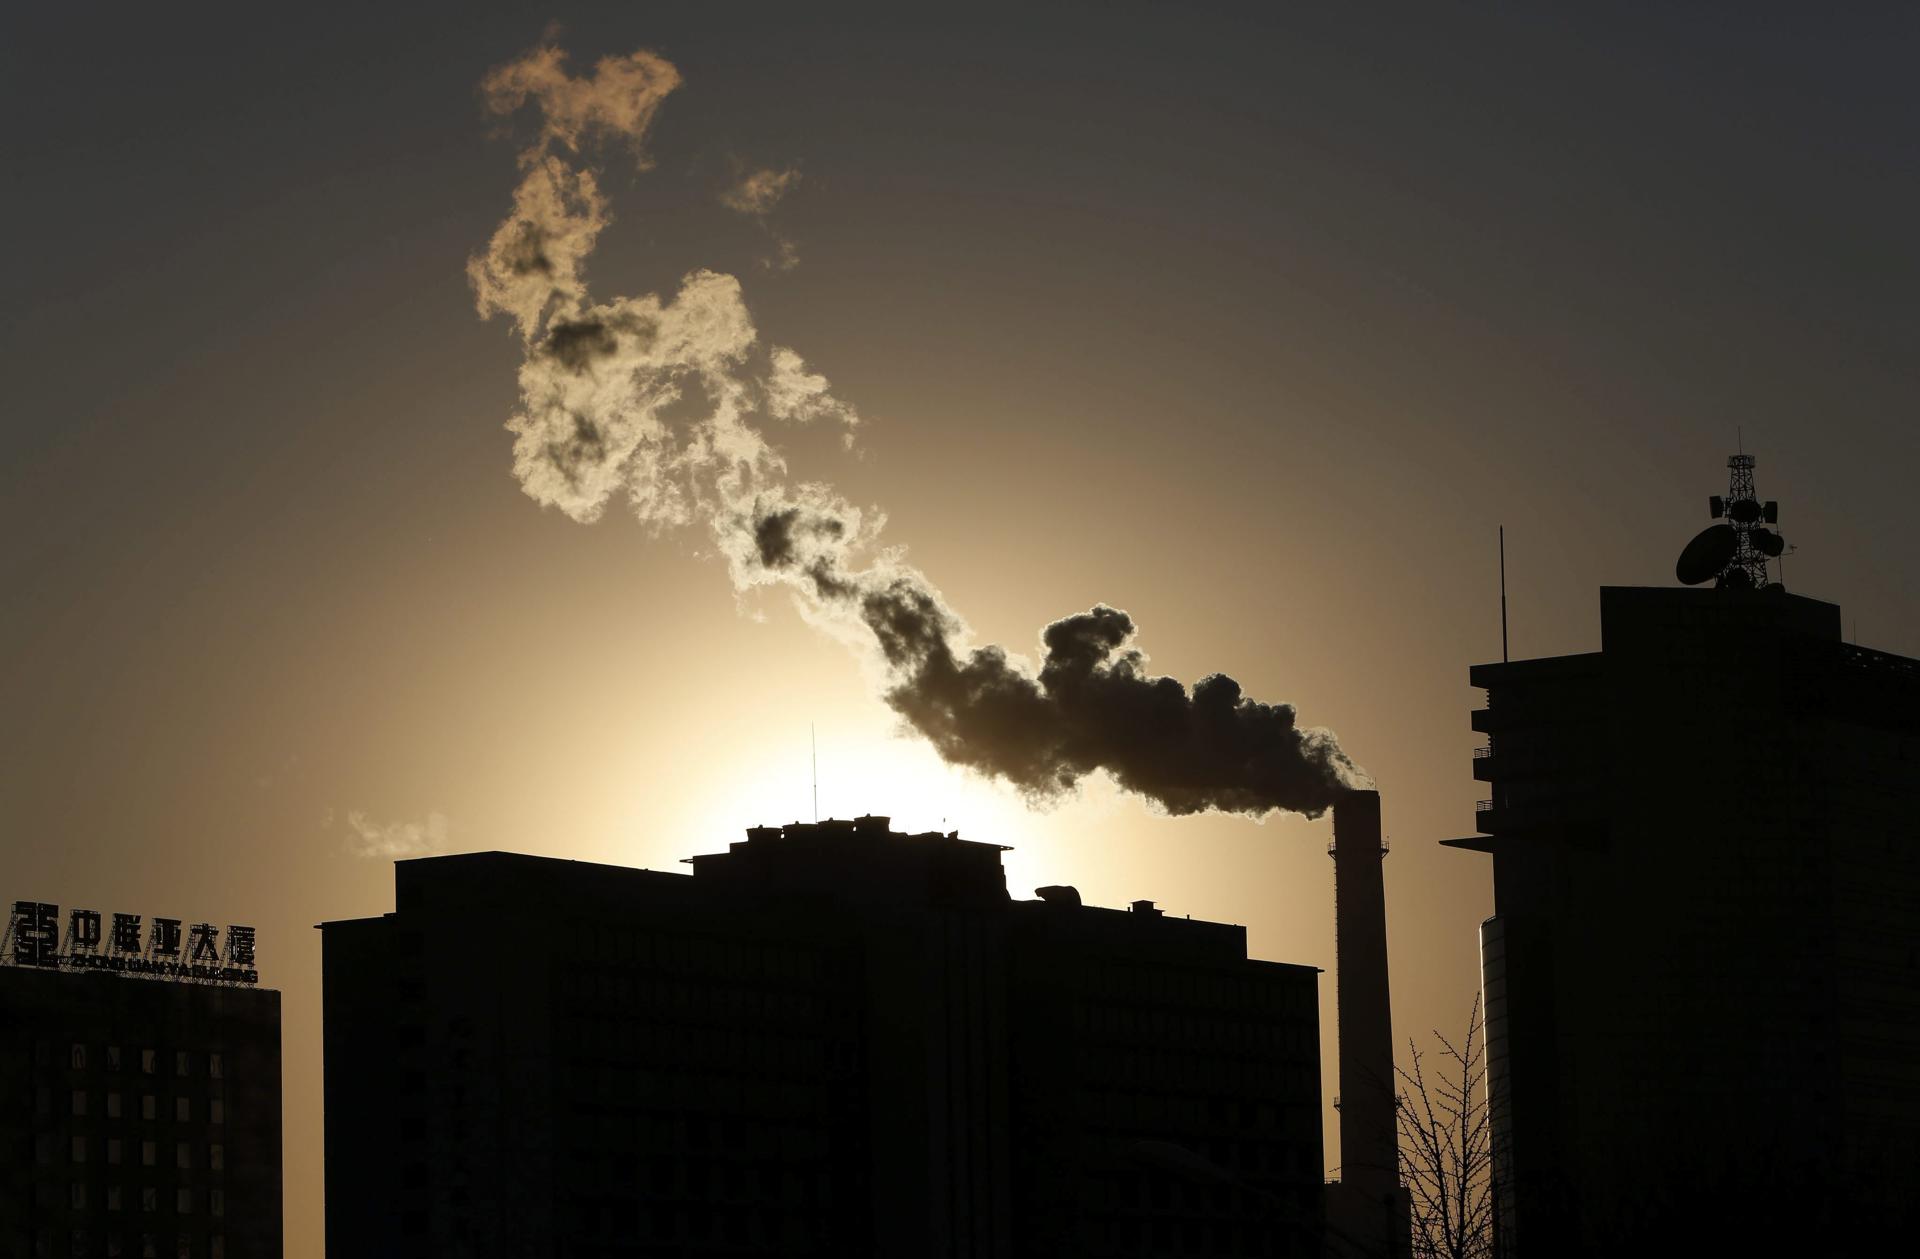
[{"x": 1356, "y": 811}]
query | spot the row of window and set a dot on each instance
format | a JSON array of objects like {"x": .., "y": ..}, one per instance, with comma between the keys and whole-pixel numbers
[
  {"x": 1169, "y": 1072},
  {"x": 1204, "y": 1029},
  {"x": 81, "y": 1105},
  {"x": 1191, "y": 1112},
  {"x": 1207, "y": 990},
  {"x": 618, "y": 1137},
  {"x": 602, "y": 987},
  {"x": 791, "y": 1231},
  {"x": 141, "y": 1246},
  {"x": 186, "y": 1201},
  {"x": 113, "y": 1150},
  {"x": 742, "y": 1048},
  {"x": 112, "y": 1058},
  {"x": 740, "y": 1182},
  {"x": 706, "y": 955},
  {"x": 1151, "y": 1193}
]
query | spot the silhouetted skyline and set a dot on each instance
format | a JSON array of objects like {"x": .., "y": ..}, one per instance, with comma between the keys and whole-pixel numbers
[
  {"x": 833, "y": 1039},
  {"x": 1254, "y": 325}
]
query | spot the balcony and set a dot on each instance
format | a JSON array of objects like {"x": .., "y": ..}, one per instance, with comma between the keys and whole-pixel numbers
[
  {"x": 1561, "y": 813},
  {"x": 1485, "y": 767}
]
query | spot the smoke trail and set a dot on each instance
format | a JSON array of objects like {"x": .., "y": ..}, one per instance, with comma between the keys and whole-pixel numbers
[
  {"x": 755, "y": 193},
  {"x": 661, "y": 401},
  {"x": 388, "y": 841}
]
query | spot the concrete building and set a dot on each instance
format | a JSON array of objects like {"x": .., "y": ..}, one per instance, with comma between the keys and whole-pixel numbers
[
  {"x": 1701, "y": 979},
  {"x": 138, "y": 1117},
  {"x": 831, "y": 1040}
]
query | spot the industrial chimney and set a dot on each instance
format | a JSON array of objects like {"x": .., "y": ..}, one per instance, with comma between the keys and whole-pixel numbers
[{"x": 1366, "y": 1214}]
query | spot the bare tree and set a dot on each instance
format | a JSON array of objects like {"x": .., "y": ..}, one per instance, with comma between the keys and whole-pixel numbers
[{"x": 1446, "y": 1148}]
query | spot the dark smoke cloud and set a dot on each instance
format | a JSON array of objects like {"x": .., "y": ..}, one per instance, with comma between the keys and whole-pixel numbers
[
  {"x": 663, "y": 402},
  {"x": 1092, "y": 706}
]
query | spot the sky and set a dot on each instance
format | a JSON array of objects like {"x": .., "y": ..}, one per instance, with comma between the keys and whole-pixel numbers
[{"x": 1255, "y": 323}]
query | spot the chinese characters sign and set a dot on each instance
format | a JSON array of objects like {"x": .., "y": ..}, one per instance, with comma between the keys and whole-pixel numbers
[{"x": 161, "y": 948}]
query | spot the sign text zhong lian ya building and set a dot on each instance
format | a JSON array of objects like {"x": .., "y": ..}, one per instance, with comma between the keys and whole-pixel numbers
[{"x": 160, "y": 948}]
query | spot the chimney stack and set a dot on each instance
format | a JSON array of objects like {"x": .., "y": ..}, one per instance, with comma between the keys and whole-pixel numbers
[{"x": 1370, "y": 1207}]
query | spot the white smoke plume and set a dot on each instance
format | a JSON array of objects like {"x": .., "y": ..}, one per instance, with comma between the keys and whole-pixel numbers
[
  {"x": 663, "y": 402},
  {"x": 756, "y": 192},
  {"x": 396, "y": 841}
]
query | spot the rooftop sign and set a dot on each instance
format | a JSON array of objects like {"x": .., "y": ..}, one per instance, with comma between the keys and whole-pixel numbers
[{"x": 160, "y": 948}]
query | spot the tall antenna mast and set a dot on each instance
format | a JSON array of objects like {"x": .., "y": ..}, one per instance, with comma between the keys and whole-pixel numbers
[
  {"x": 814, "y": 739},
  {"x": 1503, "y": 594}
]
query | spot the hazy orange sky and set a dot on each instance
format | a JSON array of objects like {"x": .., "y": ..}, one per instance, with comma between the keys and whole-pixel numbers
[{"x": 1256, "y": 327}]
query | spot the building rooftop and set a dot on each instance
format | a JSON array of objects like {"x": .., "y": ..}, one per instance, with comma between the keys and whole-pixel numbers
[{"x": 854, "y": 863}]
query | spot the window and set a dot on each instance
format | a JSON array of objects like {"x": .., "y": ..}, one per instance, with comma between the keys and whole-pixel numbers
[
  {"x": 77, "y": 1193},
  {"x": 216, "y": 1066},
  {"x": 113, "y": 1246},
  {"x": 217, "y": 1247},
  {"x": 147, "y": 1106},
  {"x": 147, "y": 1060},
  {"x": 149, "y": 1153},
  {"x": 79, "y": 1149},
  {"x": 42, "y": 1100},
  {"x": 216, "y": 1201},
  {"x": 79, "y": 1056},
  {"x": 182, "y": 1109},
  {"x": 217, "y": 1156},
  {"x": 183, "y": 1201},
  {"x": 79, "y": 1103},
  {"x": 113, "y": 1057},
  {"x": 180, "y": 1066},
  {"x": 216, "y": 1111},
  {"x": 149, "y": 1198},
  {"x": 184, "y": 1248},
  {"x": 182, "y": 1154},
  {"x": 113, "y": 1151},
  {"x": 113, "y": 1197},
  {"x": 113, "y": 1105},
  {"x": 147, "y": 1248}
]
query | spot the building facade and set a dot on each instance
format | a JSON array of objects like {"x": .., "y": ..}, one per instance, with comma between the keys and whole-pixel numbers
[
  {"x": 139, "y": 1117},
  {"x": 1701, "y": 979},
  {"x": 831, "y": 1040}
]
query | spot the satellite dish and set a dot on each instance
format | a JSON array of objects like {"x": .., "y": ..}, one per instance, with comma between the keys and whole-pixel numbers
[
  {"x": 1710, "y": 551},
  {"x": 1766, "y": 541},
  {"x": 1734, "y": 579},
  {"x": 1744, "y": 510}
]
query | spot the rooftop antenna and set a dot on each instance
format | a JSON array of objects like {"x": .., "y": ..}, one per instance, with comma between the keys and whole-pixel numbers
[
  {"x": 1734, "y": 555},
  {"x": 814, "y": 739},
  {"x": 1503, "y": 594}
]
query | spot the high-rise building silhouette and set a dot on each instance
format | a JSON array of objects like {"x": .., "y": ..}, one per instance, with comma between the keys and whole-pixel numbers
[
  {"x": 831, "y": 1040},
  {"x": 1701, "y": 980},
  {"x": 138, "y": 1116}
]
